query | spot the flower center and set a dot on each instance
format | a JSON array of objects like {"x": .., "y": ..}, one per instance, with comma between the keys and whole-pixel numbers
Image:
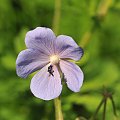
[{"x": 54, "y": 59}]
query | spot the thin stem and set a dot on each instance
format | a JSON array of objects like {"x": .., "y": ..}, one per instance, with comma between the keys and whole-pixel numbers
[
  {"x": 56, "y": 21},
  {"x": 104, "y": 109},
  {"x": 103, "y": 7},
  {"x": 98, "y": 108},
  {"x": 58, "y": 110},
  {"x": 99, "y": 16},
  {"x": 113, "y": 104},
  {"x": 87, "y": 36},
  {"x": 56, "y": 17}
]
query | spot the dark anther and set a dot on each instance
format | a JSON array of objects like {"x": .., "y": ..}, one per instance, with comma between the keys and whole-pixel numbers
[{"x": 50, "y": 70}]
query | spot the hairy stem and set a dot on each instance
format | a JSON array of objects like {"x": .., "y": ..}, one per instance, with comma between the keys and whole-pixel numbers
[{"x": 58, "y": 110}]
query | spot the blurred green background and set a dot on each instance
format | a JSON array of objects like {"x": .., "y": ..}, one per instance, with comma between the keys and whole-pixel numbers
[{"x": 94, "y": 25}]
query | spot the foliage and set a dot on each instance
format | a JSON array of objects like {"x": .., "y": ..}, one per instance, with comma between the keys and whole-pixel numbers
[{"x": 100, "y": 63}]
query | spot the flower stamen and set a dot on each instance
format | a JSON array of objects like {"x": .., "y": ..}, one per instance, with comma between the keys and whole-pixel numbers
[{"x": 54, "y": 59}]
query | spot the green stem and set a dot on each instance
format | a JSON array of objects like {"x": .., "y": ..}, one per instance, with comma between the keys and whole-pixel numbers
[
  {"x": 97, "y": 110},
  {"x": 104, "y": 7},
  {"x": 56, "y": 17},
  {"x": 99, "y": 16},
  {"x": 113, "y": 104},
  {"x": 58, "y": 110},
  {"x": 104, "y": 109},
  {"x": 55, "y": 27}
]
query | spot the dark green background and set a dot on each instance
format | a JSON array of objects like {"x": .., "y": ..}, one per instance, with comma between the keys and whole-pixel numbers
[{"x": 100, "y": 63}]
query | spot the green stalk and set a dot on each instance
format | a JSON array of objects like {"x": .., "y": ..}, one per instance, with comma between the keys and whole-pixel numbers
[
  {"x": 104, "y": 7},
  {"x": 113, "y": 104},
  {"x": 56, "y": 17},
  {"x": 102, "y": 11},
  {"x": 58, "y": 110},
  {"x": 104, "y": 109},
  {"x": 56, "y": 21},
  {"x": 97, "y": 110}
]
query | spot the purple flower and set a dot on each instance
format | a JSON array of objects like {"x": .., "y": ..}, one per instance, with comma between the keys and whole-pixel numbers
[{"x": 51, "y": 54}]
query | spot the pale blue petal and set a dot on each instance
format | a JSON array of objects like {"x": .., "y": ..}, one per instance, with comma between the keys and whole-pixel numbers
[
  {"x": 41, "y": 38},
  {"x": 73, "y": 75},
  {"x": 64, "y": 39},
  {"x": 66, "y": 47},
  {"x": 72, "y": 53},
  {"x": 29, "y": 61},
  {"x": 45, "y": 86}
]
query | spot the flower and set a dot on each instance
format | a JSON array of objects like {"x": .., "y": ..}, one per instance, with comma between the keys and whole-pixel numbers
[{"x": 50, "y": 55}]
